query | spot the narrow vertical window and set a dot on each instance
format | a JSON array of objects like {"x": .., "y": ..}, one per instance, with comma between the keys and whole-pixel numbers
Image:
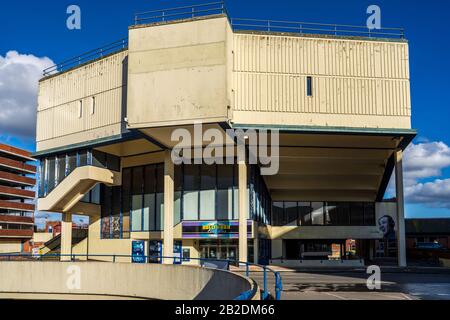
[
  {"x": 80, "y": 108},
  {"x": 92, "y": 105},
  {"x": 309, "y": 86}
]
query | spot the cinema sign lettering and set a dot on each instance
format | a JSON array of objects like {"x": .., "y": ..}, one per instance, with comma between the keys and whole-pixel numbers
[{"x": 213, "y": 229}]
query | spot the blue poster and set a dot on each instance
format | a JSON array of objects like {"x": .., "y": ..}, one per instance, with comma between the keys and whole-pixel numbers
[{"x": 138, "y": 252}]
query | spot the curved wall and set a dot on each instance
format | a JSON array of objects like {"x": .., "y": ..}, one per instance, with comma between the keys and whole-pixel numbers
[{"x": 147, "y": 281}]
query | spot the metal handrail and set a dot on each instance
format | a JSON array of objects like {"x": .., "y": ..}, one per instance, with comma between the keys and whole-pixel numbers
[
  {"x": 176, "y": 260},
  {"x": 313, "y": 27},
  {"x": 87, "y": 56},
  {"x": 177, "y": 13},
  {"x": 214, "y": 8}
]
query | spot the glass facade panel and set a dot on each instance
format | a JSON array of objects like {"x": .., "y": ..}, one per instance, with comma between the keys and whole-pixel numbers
[
  {"x": 278, "y": 214},
  {"x": 369, "y": 214},
  {"x": 72, "y": 162},
  {"x": 317, "y": 213},
  {"x": 136, "y": 213},
  {"x": 51, "y": 171},
  {"x": 324, "y": 213},
  {"x": 191, "y": 192},
  {"x": 291, "y": 213},
  {"x": 58, "y": 167},
  {"x": 159, "y": 211},
  {"x": 304, "y": 212},
  {"x": 149, "y": 222},
  {"x": 357, "y": 213},
  {"x": 61, "y": 166},
  {"x": 98, "y": 159},
  {"x": 82, "y": 158},
  {"x": 208, "y": 192}
]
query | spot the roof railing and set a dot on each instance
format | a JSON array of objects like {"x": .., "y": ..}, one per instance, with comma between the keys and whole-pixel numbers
[
  {"x": 87, "y": 57},
  {"x": 215, "y": 8},
  {"x": 178, "y": 13},
  {"x": 314, "y": 28}
]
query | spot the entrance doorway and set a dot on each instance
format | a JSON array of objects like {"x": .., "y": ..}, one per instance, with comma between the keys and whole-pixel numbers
[{"x": 227, "y": 249}]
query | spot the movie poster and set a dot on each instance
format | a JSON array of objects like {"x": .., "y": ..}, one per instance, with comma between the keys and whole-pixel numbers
[{"x": 386, "y": 220}]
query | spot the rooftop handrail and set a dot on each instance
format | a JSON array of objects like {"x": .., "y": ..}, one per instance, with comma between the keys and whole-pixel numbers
[
  {"x": 180, "y": 12},
  {"x": 313, "y": 27},
  {"x": 176, "y": 260},
  {"x": 249, "y": 24},
  {"x": 87, "y": 56}
]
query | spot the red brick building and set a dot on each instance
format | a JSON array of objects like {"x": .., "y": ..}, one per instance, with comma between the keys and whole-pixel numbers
[{"x": 17, "y": 179}]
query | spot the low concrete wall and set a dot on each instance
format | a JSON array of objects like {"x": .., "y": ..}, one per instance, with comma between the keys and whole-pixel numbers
[
  {"x": 317, "y": 263},
  {"x": 147, "y": 281}
]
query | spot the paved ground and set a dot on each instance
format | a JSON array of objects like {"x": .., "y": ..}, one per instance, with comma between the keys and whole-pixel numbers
[{"x": 351, "y": 285}]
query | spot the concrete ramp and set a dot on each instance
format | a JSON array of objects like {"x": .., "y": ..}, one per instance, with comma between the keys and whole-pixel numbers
[
  {"x": 104, "y": 280},
  {"x": 73, "y": 188}
]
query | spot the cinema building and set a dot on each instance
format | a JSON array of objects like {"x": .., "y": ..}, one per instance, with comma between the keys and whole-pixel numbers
[
  {"x": 17, "y": 180},
  {"x": 340, "y": 101}
]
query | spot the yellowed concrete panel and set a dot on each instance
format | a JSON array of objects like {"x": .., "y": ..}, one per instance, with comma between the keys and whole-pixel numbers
[
  {"x": 182, "y": 69},
  {"x": 355, "y": 83},
  {"x": 82, "y": 104}
]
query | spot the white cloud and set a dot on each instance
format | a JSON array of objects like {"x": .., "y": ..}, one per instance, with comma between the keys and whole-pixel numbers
[
  {"x": 19, "y": 76},
  {"x": 423, "y": 183}
]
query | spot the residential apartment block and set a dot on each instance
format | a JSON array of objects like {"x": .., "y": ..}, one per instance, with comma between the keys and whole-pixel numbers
[{"x": 17, "y": 180}]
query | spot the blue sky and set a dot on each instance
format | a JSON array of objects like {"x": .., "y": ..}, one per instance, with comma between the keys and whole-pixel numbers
[{"x": 38, "y": 28}]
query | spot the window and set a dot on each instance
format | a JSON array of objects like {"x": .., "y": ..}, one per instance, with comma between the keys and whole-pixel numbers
[
  {"x": 317, "y": 213},
  {"x": 137, "y": 199},
  {"x": 42, "y": 178},
  {"x": 51, "y": 171},
  {"x": 357, "y": 214},
  {"x": 224, "y": 192},
  {"x": 369, "y": 214},
  {"x": 126, "y": 200},
  {"x": 92, "y": 105},
  {"x": 309, "y": 86},
  {"x": 290, "y": 209},
  {"x": 191, "y": 193},
  {"x": 80, "y": 108},
  {"x": 178, "y": 193},
  {"x": 72, "y": 162},
  {"x": 278, "y": 214},
  {"x": 304, "y": 212},
  {"x": 98, "y": 159},
  {"x": 208, "y": 192},
  {"x": 61, "y": 166}
]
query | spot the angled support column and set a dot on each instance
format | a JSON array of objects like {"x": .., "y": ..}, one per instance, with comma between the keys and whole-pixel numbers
[
  {"x": 243, "y": 208},
  {"x": 168, "y": 207},
  {"x": 66, "y": 237},
  {"x": 401, "y": 246}
]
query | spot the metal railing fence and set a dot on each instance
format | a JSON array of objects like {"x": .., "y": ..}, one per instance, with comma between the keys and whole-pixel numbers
[
  {"x": 204, "y": 262},
  {"x": 217, "y": 8},
  {"x": 87, "y": 57}
]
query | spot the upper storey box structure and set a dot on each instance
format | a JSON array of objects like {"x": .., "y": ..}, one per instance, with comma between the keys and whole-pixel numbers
[
  {"x": 184, "y": 71},
  {"x": 209, "y": 69},
  {"x": 180, "y": 72}
]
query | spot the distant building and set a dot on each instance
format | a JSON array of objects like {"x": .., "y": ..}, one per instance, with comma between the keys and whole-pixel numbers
[
  {"x": 17, "y": 178},
  {"x": 428, "y": 231}
]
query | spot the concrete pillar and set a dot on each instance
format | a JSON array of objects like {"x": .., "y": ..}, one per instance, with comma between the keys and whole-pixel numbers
[
  {"x": 401, "y": 246},
  {"x": 256, "y": 249},
  {"x": 243, "y": 208},
  {"x": 168, "y": 207},
  {"x": 66, "y": 236}
]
